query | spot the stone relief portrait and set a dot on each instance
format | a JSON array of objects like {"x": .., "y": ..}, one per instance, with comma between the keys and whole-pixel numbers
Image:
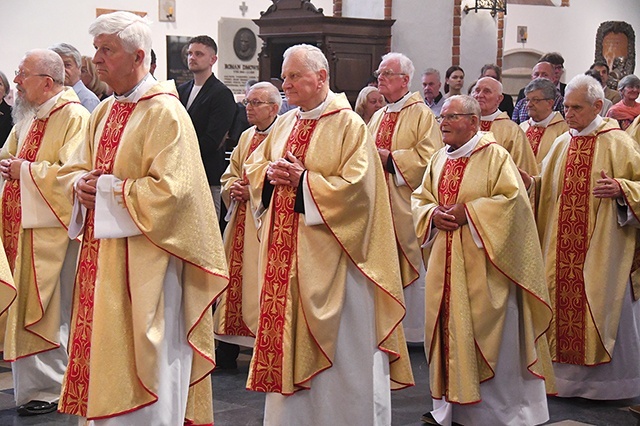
[
  {"x": 616, "y": 45},
  {"x": 244, "y": 44}
]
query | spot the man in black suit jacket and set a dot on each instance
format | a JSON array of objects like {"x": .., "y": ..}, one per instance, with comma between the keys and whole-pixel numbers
[{"x": 211, "y": 106}]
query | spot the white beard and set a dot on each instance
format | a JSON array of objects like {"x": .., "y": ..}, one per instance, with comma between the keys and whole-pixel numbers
[{"x": 22, "y": 109}]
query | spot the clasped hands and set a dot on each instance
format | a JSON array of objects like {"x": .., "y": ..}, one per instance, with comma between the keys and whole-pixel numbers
[
  {"x": 605, "y": 187},
  {"x": 86, "y": 188},
  {"x": 10, "y": 168},
  {"x": 239, "y": 190},
  {"x": 449, "y": 217},
  {"x": 285, "y": 171}
]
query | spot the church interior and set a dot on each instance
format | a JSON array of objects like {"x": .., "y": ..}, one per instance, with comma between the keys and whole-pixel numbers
[{"x": 354, "y": 34}]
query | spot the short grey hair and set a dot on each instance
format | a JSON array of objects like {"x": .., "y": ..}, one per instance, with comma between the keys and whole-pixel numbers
[
  {"x": 432, "y": 71},
  {"x": 133, "y": 31},
  {"x": 362, "y": 98},
  {"x": 592, "y": 86},
  {"x": 469, "y": 104},
  {"x": 273, "y": 94},
  {"x": 547, "y": 87},
  {"x": 406, "y": 65},
  {"x": 65, "y": 49},
  {"x": 629, "y": 80},
  {"x": 48, "y": 62},
  {"x": 314, "y": 59},
  {"x": 5, "y": 83}
]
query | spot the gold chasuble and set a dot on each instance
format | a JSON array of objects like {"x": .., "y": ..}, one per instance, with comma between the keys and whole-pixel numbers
[
  {"x": 469, "y": 285},
  {"x": 118, "y": 321},
  {"x": 237, "y": 311},
  {"x": 412, "y": 136},
  {"x": 303, "y": 267},
  {"x": 36, "y": 255},
  {"x": 588, "y": 255},
  {"x": 634, "y": 129},
  {"x": 541, "y": 138},
  {"x": 508, "y": 134}
]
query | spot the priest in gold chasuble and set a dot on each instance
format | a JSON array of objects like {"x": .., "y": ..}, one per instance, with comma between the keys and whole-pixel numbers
[
  {"x": 634, "y": 129},
  {"x": 151, "y": 262},
  {"x": 329, "y": 345},
  {"x": 488, "y": 93},
  {"x": 488, "y": 306},
  {"x": 236, "y": 316},
  {"x": 588, "y": 204},
  {"x": 544, "y": 124},
  {"x": 406, "y": 136},
  {"x": 50, "y": 123}
]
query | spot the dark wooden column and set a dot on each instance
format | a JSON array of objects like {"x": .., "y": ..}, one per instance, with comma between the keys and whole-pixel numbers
[{"x": 352, "y": 46}]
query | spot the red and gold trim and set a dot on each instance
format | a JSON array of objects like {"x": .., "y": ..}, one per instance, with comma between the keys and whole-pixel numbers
[
  {"x": 234, "y": 324},
  {"x": 268, "y": 353},
  {"x": 384, "y": 137},
  {"x": 534, "y": 136},
  {"x": 448, "y": 189},
  {"x": 74, "y": 397},
  {"x": 571, "y": 251},
  {"x": 11, "y": 205},
  {"x": 485, "y": 125}
]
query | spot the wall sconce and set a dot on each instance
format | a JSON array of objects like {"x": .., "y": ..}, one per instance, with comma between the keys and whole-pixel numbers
[
  {"x": 494, "y": 6},
  {"x": 167, "y": 11}
]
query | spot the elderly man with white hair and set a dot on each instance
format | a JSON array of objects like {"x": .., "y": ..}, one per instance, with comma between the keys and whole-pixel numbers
[
  {"x": 50, "y": 123},
  {"x": 329, "y": 345},
  {"x": 72, "y": 69},
  {"x": 150, "y": 264},
  {"x": 588, "y": 210},
  {"x": 406, "y": 135},
  {"x": 488, "y": 306},
  {"x": 488, "y": 92}
]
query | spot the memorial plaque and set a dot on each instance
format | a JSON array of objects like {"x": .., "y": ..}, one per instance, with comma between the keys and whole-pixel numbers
[
  {"x": 237, "y": 52},
  {"x": 177, "y": 67}
]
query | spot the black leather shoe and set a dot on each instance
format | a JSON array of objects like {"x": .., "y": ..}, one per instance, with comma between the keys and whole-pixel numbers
[
  {"x": 428, "y": 419},
  {"x": 35, "y": 408}
]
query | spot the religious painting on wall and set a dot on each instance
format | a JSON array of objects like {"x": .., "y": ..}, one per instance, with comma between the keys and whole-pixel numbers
[
  {"x": 616, "y": 45},
  {"x": 177, "y": 67}
]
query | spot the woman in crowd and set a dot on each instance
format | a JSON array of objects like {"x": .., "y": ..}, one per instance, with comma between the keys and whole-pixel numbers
[
  {"x": 5, "y": 110},
  {"x": 494, "y": 71},
  {"x": 454, "y": 80},
  {"x": 91, "y": 80},
  {"x": 369, "y": 101},
  {"x": 627, "y": 109}
]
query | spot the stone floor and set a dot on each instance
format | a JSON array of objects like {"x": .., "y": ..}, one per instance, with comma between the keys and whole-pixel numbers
[{"x": 235, "y": 406}]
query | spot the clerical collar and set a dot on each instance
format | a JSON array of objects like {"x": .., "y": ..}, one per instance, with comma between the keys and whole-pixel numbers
[
  {"x": 543, "y": 123},
  {"x": 589, "y": 129},
  {"x": 397, "y": 105},
  {"x": 315, "y": 113},
  {"x": 466, "y": 149},
  {"x": 43, "y": 110},
  {"x": 491, "y": 117},
  {"x": 138, "y": 90},
  {"x": 268, "y": 129}
]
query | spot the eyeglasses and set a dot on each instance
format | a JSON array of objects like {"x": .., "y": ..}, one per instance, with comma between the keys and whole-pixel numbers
[
  {"x": 451, "y": 117},
  {"x": 254, "y": 102},
  {"x": 24, "y": 76},
  {"x": 535, "y": 101},
  {"x": 386, "y": 73}
]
